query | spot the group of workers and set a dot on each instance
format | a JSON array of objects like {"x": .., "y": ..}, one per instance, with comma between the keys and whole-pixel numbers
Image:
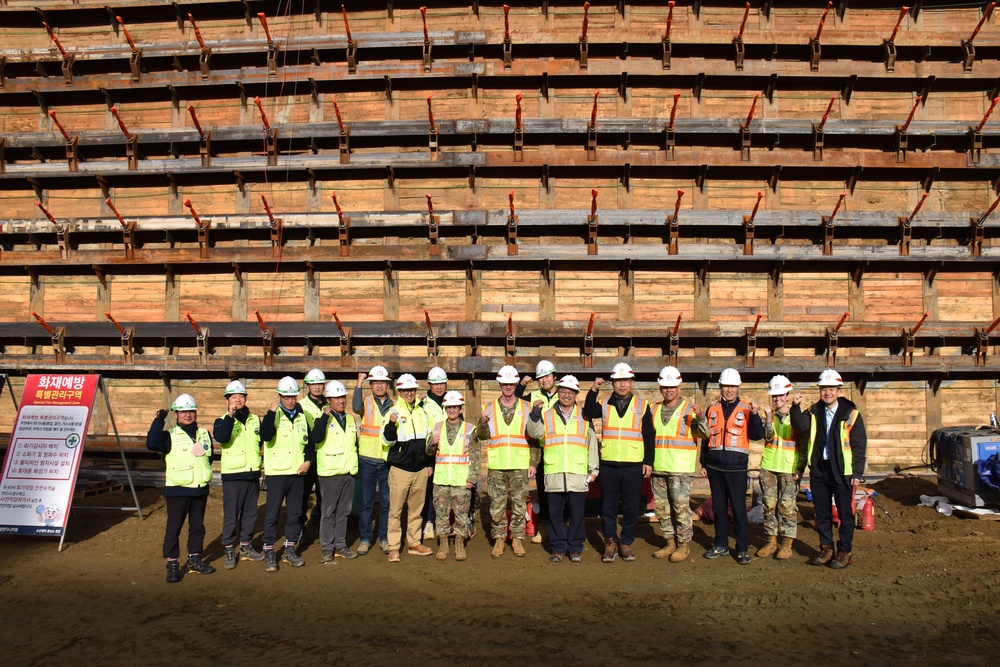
[{"x": 396, "y": 446}]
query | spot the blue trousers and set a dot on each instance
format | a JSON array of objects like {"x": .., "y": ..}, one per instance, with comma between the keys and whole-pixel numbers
[{"x": 374, "y": 476}]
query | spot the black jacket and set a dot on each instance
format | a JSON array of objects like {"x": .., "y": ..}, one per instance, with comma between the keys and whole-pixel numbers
[{"x": 859, "y": 438}]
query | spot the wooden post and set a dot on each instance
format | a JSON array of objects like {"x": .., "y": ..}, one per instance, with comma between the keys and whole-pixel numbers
[
  {"x": 776, "y": 302},
  {"x": 390, "y": 304},
  {"x": 932, "y": 411},
  {"x": 547, "y": 305},
  {"x": 239, "y": 310},
  {"x": 310, "y": 309}
]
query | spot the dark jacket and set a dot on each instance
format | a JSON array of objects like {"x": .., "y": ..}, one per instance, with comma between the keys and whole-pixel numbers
[
  {"x": 859, "y": 438},
  {"x": 728, "y": 459}
]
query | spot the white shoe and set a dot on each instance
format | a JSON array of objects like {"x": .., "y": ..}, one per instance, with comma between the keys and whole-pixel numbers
[{"x": 428, "y": 531}]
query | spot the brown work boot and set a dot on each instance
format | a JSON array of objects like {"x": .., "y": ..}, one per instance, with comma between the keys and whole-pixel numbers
[
  {"x": 626, "y": 551},
  {"x": 666, "y": 551},
  {"x": 518, "y": 546},
  {"x": 459, "y": 547},
  {"x": 842, "y": 560},
  {"x": 610, "y": 550},
  {"x": 442, "y": 553},
  {"x": 769, "y": 547},
  {"x": 824, "y": 556},
  {"x": 681, "y": 554},
  {"x": 498, "y": 547},
  {"x": 393, "y": 555},
  {"x": 785, "y": 552},
  {"x": 419, "y": 550}
]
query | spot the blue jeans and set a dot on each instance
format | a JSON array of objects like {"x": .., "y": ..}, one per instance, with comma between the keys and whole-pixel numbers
[{"x": 373, "y": 473}]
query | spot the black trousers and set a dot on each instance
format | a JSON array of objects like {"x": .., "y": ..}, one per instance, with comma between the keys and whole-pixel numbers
[
  {"x": 729, "y": 489},
  {"x": 239, "y": 510},
  {"x": 179, "y": 508},
  {"x": 619, "y": 485},
  {"x": 561, "y": 539},
  {"x": 283, "y": 489},
  {"x": 310, "y": 483},
  {"x": 544, "y": 516},
  {"x": 827, "y": 488}
]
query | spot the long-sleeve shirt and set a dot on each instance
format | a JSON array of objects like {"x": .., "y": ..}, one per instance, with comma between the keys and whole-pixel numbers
[
  {"x": 592, "y": 409},
  {"x": 158, "y": 440},
  {"x": 729, "y": 459},
  {"x": 563, "y": 482},
  {"x": 268, "y": 430},
  {"x": 358, "y": 402}
]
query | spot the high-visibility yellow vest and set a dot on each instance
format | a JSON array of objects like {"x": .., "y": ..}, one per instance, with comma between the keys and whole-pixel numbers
[
  {"x": 411, "y": 422},
  {"x": 285, "y": 452},
  {"x": 242, "y": 452},
  {"x": 370, "y": 443},
  {"x": 549, "y": 402},
  {"x": 845, "y": 441},
  {"x": 184, "y": 468},
  {"x": 311, "y": 408},
  {"x": 338, "y": 453},
  {"x": 451, "y": 463},
  {"x": 435, "y": 413},
  {"x": 730, "y": 434},
  {"x": 676, "y": 446},
  {"x": 621, "y": 437},
  {"x": 780, "y": 454},
  {"x": 508, "y": 447},
  {"x": 566, "y": 445}
]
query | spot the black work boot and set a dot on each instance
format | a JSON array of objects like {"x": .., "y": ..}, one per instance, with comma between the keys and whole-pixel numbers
[
  {"x": 173, "y": 571},
  {"x": 231, "y": 559},
  {"x": 196, "y": 565},
  {"x": 290, "y": 556},
  {"x": 270, "y": 560}
]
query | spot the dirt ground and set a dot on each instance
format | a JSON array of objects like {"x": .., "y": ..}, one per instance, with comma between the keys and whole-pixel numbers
[{"x": 924, "y": 589}]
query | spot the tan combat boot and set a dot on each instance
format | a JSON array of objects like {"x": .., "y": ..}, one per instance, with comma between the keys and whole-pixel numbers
[
  {"x": 516, "y": 543},
  {"x": 769, "y": 548},
  {"x": 442, "y": 553},
  {"x": 785, "y": 552},
  {"x": 666, "y": 551},
  {"x": 540, "y": 535},
  {"x": 682, "y": 553},
  {"x": 498, "y": 547},
  {"x": 459, "y": 547}
]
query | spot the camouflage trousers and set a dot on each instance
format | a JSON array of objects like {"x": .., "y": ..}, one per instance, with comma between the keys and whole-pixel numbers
[
  {"x": 504, "y": 486},
  {"x": 780, "y": 511},
  {"x": 672, "y": 505},
  {"x": 448, "y": 499}
]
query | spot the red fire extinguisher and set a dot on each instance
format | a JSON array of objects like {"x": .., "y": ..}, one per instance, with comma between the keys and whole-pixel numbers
[{"x": 868, "y": 514}]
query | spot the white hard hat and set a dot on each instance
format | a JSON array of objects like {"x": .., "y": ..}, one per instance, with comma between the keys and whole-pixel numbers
[
  {"x": 184, "y": 402},
  {"x": 406, "y": 381},
  {"x": 334, "y": 389},
  {"x": 436, "y": 375},
  {"x": 622, "y": 371},
  {"x": 378, "y": 374},
  {"x": 235, "y": 387},
  {"x": 453, "y": 398},
  {"x": 669, "y": 377},
  {"x": 287, "y": 386},
  {"x": 779, "y": 386},
  {"x": 830, "y": 378},
  {"x": 315, "y": 376},
  {"x": 569, "y": 382},
  {"x": 730, "y": 377},
  {"x": 508, "y": 375},
  {"x": 543, "y": 368}
]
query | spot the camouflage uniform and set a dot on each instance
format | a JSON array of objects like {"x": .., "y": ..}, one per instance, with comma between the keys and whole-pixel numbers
[
  {"x": 672, "y": 505},
  {"x": 780, "y": 510},
  {"x": 504, "y": 485},
  {"x": 455, "y": 499}
]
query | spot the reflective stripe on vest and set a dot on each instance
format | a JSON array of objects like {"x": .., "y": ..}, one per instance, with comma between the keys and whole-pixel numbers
[
  {"x": 731, "y": 434},
  {"x": 435, "y": 413},
  {"x": 370, "y": 442},
  {"x": 845, "y": 441},
  {"x": 284, "y": 453},
  {"x": 411, "y": 423},
  {"x": 338, "y": 453},
  {"x": 451, "y": 463},
  {"x": 780, "y": 454},
  {"x": 242, "y": 452},
  {"x": 508, "y": 447},
  {"x": 566, "y": 445},
  {"x": 184, "y": 468},
  {"x": 621, "y": 437},
  {"x": 676, "y": 447}
]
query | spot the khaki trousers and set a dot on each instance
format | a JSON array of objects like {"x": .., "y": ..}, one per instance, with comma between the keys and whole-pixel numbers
[{"x": 406, "y": 488}]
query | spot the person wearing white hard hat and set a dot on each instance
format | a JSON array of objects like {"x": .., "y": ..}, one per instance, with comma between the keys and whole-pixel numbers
[
  {"x": 335, "y": 435},
  {"x": 238, "y": 434},
  {"x": 405, "y": 434},
  {"x": 312, "y": 405},
  {"x": 284, "y": 430},
  {"x": 570, "y": 463},
  {"x": 725, "y": 458},
  {"x": 548, "y": 394},
  {"x": 836, "y": 455},
  {"x": 680, "y": 425},
  {"x": 780, "y": 465},
  {"x": 433, "y": 405},
  {"x": 373, "y": 473},
  {"x": 187, "y": 452},
  {"x": 627, "y": 449},
  {"x": 456, "y": 449},
  {"x": 510, "y": 462}
]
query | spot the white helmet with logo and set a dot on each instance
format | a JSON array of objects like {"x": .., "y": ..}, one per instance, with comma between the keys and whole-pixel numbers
[
  {"x": 569, "y": 382},
  {"x": 184, "y": 402},
  {"x": 622, "y": 371},
  {"x": 544, "y": 368},
  {"x": 315, "y": 376},
  {"x": 287, "y": 386},
  {"x": 235, "y": 387},
  {"x": 830, "y": 378},
  {"x": 779, "y": 386},
  {"x": 378, "y": 374},
  {"x": 669, "y": 377},
  {"x": 453, "y": 398},
  {"x": 436, "y": 375},
  {"x": 508, "y": 375},
  {"x": 335, "y": 389},
  {"x": 730, "y": 378},
  {"x": 406, "y": 381}
]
